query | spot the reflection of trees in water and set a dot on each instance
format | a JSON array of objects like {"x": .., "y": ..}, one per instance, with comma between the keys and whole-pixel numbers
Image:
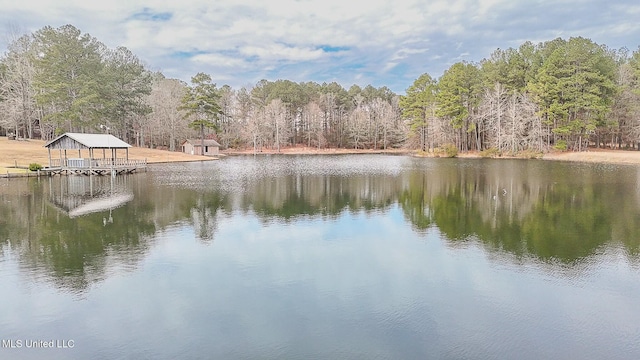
[
  {"x": 548, "y": 210},
  {"x": 526, "y": 208},
  {"x": 203, "y": 213},
  {"x": 555, "y": 212},
  {"x": 327, "y": 195},
  {"x": 76, "y": 252}
]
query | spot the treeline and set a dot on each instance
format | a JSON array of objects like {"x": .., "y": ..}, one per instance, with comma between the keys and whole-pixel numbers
[
  {"x": 564, "y": 94},
  {"x": 59, "y": 80},
  {"x": 279, "y": 113}
]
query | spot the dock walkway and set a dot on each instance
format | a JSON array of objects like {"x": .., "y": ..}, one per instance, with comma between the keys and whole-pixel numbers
[{"x": 87, "y": 166}]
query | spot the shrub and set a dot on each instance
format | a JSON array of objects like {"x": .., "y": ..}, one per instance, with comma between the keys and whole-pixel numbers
[
  {"x": 490, "y": 153},
  {"x": 35, "y": 167},
  {"x": 561, "y": 145},
  {"x": 448, "y": 150}
]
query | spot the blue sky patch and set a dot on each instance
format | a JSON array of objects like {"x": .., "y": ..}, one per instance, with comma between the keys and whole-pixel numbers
[
  {"x": 186, "y": 54},
  {"x": 149, "y": 15},
  {"x": 333, "y": 49}
]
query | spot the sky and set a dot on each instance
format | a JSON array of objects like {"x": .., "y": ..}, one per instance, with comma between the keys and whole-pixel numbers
[{"x": 377, "y": 42}]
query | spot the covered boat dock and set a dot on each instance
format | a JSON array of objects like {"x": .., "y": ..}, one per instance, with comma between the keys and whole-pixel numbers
[{"x": 86, "y": 144}]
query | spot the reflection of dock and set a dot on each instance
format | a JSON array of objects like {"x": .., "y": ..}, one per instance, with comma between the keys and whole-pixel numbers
[
  {"x": 98, "y": 205},
  {"x": 77, "y": 196}
]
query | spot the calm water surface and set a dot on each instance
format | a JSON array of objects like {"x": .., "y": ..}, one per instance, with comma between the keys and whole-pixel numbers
[{"x": 324, "y": 257}]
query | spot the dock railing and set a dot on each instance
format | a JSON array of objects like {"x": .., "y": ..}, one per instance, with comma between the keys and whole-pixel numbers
[
  {"x": 55, "y": 163},
  {"x": 87, "y": 163}
]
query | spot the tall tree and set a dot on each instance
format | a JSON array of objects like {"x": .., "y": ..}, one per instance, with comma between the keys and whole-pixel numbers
[
  {"x": 276, "y": 115},
  {"x": 459, "y": 91},
  {"x": 419, "y": 108},
  {"x": 492, "y": 113},
  {"x": 228, "y": 132},
  {"x": 575, "y": 89},
  {"x": 314, "y": 125},
  {"x": 628, "y": 97},
  {"x": 201, "y": 103},
  {"x": 166, "y": 124},
  {"x": 358, "y": 122},
  {"x": 18, "y": 109},
  {"x": 334, "y": 101},
  {"x": 67, "y": 78},
  {"x": 125, "y": 85},
  {"x": 383, "y": 119}
]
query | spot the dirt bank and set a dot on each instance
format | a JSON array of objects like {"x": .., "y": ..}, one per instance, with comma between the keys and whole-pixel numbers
[{"x": 597, "y": 156}]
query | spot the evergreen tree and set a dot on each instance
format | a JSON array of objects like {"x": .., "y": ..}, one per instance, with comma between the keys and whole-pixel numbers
[
  {"x": 459, "y": 91},
  {"x": 67, "y": 79},
  {"x": 126, "y": 83},
  {"x": 419, "y": 108},
  {"x": 201, "y": 103}
]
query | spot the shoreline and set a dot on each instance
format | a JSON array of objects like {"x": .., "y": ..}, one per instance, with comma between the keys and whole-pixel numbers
[
  {"x": 315, "y": 151},
  {"x": 24, "y": 152},
  {"x": 599, "y": 156}
]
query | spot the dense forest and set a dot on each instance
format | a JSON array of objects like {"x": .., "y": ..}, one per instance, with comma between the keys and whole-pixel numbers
[{"x": 560, "y": 94}]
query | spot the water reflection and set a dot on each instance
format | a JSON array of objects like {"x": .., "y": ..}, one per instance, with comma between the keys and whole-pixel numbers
[
  {"x": 326, "y": 257},
  {"x": 76, "y": 228},
  {"x": 82, "y": 195},
  {"x": 552, "y": 211}
]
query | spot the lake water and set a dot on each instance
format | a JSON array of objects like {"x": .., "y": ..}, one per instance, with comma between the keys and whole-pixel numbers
[{"x": 324, "y": 257}]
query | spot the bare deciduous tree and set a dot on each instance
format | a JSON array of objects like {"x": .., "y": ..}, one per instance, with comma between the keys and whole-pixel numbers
[
  {"x": 358, "y": 123},
  {"x": 314, "y": 121},
  {"x": 276, "y": 116},
  {"x": 18, "y": 110},
  {"x": 166, "y": 124}
]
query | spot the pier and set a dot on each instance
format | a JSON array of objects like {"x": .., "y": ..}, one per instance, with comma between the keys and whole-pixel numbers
[
  {"x": 109, "y": 163},
  {"x": 93, "y": 166}
]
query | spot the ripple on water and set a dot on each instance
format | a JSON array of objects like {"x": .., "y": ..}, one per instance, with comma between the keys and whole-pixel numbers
[{"x": 234, "y": 173}]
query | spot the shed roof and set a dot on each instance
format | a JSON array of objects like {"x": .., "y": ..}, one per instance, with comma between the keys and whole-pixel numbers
[
  {"x": 198, "y": 142},
  {"x": 87, "y": 141}
]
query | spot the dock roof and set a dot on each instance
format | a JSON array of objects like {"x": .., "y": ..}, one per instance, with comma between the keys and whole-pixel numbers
[{"x": 86, "y": 141}]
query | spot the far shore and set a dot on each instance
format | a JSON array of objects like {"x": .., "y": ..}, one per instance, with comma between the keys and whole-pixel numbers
[
  {"x": 24, "y": 152},
  {"x": 304, "y": 150},
  {"x": 605, "y": 156},
  {"x": 592, "y": 155}
]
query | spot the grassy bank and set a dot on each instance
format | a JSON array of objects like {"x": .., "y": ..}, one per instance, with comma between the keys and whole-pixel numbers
[
  {"x": 11, "y": 170},
  {"x": 604, "y": 156},
  {"x": 24, "y": 152}
]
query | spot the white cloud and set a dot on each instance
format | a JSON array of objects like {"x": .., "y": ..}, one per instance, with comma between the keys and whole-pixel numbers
[
  {"x": 406, "y": 52},
  {"x": 218, "y": 60},
  {"x": 390, "y": 65},
  {"x": 251, "y": 38},
  {"x": 280, "y": 52}
]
